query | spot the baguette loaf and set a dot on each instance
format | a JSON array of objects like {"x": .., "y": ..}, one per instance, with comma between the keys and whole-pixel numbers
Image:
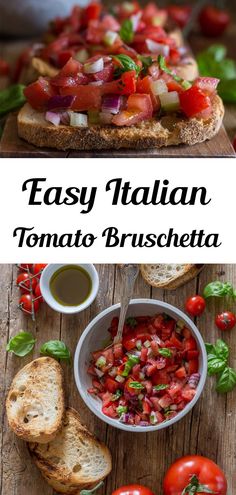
[
  {"x": 169, "y": 130},
  {"x": 35, "y": 402},
  {"x": 74, "y": 459},
  {"x": 169, "y": 276}
]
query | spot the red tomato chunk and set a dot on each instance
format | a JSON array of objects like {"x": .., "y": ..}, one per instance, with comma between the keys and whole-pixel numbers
[{"x": 151, "y": 375}]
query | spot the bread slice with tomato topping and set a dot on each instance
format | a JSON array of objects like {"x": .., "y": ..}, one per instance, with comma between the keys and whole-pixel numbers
[{"x": 169, "y": 130}]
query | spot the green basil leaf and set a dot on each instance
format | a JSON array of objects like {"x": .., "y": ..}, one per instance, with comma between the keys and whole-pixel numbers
[
  {"x": 164, "y": 351},
  {"x": 127, "y": 32},
  {"x": 226, "y": 381},
  {"x": 215, "y": 364},
  {"x": 218, "y": 289},
  {"x": 126, "y": 64},
  {"x": 162, "y": 63},
  {"x": 136, "y": 385},
  {"x": 210, "y": 348},
  {"x": 116, "y": 396},
  {"x": 162, "y": 386},
  {"x": 56, "y": 349},
  {"x": 146, "y": 61},
  {"x": 132, "y": 322},
  {"x": 217, "y": 51},
  {"x": 21, "y": 344},
  {"x": 221, "y": 349},
  {"x": 11, "y": 98}
]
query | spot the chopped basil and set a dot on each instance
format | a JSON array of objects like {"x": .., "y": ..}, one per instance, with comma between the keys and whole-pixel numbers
[
  {"x": 56, "y": 349},
  {"x": 185, "y": 84},
  {"x": 21, "y": 344},
  {"x": 130, "y": 364},
  {"x": 126, "y": 31},
  {"x": 126, "y": 64},
  {"x": 132, "y": 322},
  {"x": 121, "y": 410},
  {"x": 164, "y": 351},
  {"x": 136, "y": 385},
  {"x": 116, "y": 396},
  {"x": 162, "y": 386},
  {"x": 146, "y": 61}
]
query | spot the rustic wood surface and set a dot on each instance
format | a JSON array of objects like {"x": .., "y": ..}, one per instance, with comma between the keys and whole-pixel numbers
[
  {"x": 209, "y": 429},
  {"x": 12, "y": 146}
]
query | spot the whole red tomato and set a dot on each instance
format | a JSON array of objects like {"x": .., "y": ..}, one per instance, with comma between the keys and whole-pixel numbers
[
  {"x": 213, "y": 21},
  {"x": 194, "y": 472},
  {"x": 37, "y": 292},
  {"x": 25, "y": 282},
  {"x": 26, "y": 302},
  {"x": 180, "y": 14},
  {"x": 133, "y": 490},
  {"x": 25, "y": 266},
  {"x": 225, "y": 320},
  {"x": 38, "y": 268},
  {"x": 195, "y": 305}
]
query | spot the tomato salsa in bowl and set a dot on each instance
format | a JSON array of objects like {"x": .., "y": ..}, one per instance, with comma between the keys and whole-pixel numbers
[{"x": 152, "y": 378}]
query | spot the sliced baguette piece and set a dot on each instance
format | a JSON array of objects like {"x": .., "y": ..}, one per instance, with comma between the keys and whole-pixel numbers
[
  {"x": 170, "y": 130},
  {"x": 35, "y": 403},
  {"x": 169, "y": 276},
  {"x": 75, "y": 459}
]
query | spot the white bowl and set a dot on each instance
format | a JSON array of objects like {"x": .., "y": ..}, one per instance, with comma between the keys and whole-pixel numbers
[
  {"x": 51, "y": 301},
  {"x": 93, "y": 338}
]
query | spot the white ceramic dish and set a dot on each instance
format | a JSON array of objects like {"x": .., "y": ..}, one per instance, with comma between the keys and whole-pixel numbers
[
  {"x": 93, "y": 338},
  {"x": 48, "y": 297}
]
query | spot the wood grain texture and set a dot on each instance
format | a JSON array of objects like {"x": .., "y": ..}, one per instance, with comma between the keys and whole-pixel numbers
[{"x": 210, "y": 429}]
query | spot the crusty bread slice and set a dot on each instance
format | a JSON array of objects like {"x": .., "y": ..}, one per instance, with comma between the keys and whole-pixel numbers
[
  {"x": 74, "y": 459},
  {"x": 169, "y": 276},
  {"x": 35, "y": 403},
  {"x": 170, "y": 130}
]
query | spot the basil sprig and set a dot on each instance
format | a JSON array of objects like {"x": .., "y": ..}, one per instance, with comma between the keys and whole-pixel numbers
[
  {"x": 126, "y": 64},
  {"x": 56, "y": 349},
  {"x": 21, "y": 344},
  {"x": 164, "y": 351},
  {"x": 219, "y": 289},
  {"x": 11, "y": 98},
  {"x": 127, "y": 31},
  {"x": 218, "y": 356}
]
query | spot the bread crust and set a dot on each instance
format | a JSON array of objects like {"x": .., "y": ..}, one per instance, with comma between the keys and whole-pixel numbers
[
  {"x": 189, "y": 272},
  {"x": 32, "y": 397},
  {"x": 170, "y": 130},
  {"x": 59, "y": 475}
]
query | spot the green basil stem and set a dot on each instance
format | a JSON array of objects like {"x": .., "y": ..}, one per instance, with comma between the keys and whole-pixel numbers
[
  {"x": 195, "y": 487},
  {"x": 93, "y": 490}
]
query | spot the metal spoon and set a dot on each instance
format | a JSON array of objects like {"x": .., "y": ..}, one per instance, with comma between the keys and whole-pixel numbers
[{"x": 129, "y": 274}]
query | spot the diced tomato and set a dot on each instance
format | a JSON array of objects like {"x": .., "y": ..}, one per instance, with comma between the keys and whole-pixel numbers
[
  {"x": 194, "y": 101},
  {"x": 90, "y": 13},
  {"x": 186, "y": 333},
  {"x": 106, "y": 74},
  {"x": 151, "y": 14},
  {"x": 155, "y": 402},
  {"x": 131, "y": 390},
  {"x": 181, "y": 373},
  {"x": 106, "y": 398},
  {"x": 193, "y": 366},
  {"x": 139, "y": 108},
  {"x": 91, "y": 371},
  {"x": 160, "y": 377},
  {"x": 161, "y": 363},
  {"x": 109, "y": 356},
  {"x": 71, "y": 68},
  {"x": 110, "y": 411},
  {"x": 158, "y": 322},
  {"x": 165, "y": 401},
  {"x": 48, "y": 53},
  {"x": 39, "y": 93},
  {"x": 168, "y": 327},
  {"x": 111, "y": 385},
  {"x": 136, "y": 370},
  {"x": 188, "y": 393},
  {"x": 144, "y": 86},
  {"x": 174, "y": 86},
  {"x": 129, "y": 341},
  {"x": 137, "y": 419},
  {"x": 144, "y": 353},
  {"x": 150, "y": 370},
  {"x": 98, "y": 385},
  {"x": 86, "y": 97},
  {"x": 124, "y": 12},
  {"x": 118, "y": 351},
  {"x": 192, "y": 355},
  {"x": 155, "y": 347},
  {"x": 63, "y": 57},
  {"x": 190, "y": 344},
  {"x": 148, "y": 385},
  {"x": 174, "y": 389},
  {"x": 146, "y": 407},
  {"x": 128, "y": 82},
  {"x": 175, "y": 342},
  {"x": 159, "y": 416}
]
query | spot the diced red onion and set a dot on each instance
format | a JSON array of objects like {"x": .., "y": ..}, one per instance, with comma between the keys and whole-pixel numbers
[
  {"x": 53, "y": 118},
  {"x": 135, "y": 19},
  {"x": 111, "y": 104},
  {"x": 148, "y": 401},
  {"x": 158, "y": 48},
  {"x": 96, "y": 83},
  {"x": 57, "y": 102},
  {"x": 93, "y": 67},
  {"x": 110, "y": 38}
]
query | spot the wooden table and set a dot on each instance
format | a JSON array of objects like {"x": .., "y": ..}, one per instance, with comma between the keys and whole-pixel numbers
[{"x": 209, "y": 429}]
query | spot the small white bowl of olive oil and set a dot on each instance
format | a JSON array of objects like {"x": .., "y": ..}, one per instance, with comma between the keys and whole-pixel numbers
[{"x": 69, "y": 288}]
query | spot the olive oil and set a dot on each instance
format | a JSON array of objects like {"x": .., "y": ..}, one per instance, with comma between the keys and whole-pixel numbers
[{"x": 70, "y": 285}]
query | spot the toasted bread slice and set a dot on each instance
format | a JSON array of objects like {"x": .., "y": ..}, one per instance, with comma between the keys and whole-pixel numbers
[
  {"x": 170, "y": 130},
  {"x": 169, "y": 276},
  {"x": 35, "y": 402},
  {"x": 74, "y": 459}
]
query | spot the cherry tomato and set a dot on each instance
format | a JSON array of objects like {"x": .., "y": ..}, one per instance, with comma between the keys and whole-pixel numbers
[
  {"x": 26, "y": 302},
  {"x": 38, "y": 268},
  {"x": 225, "y": 320},
  {"x": 37, "y": 292},
  {"x": 25, "y": 266},
  {"x": 195, "y": 305},
  {"x": 180, "y": 14},
  {"x": 26, "y": 282},
  {"x": 4, "y": 68},
  {"x": 133, "y": 490},
  {"x": 194, "y": 472},
  {"x": 213, "y": 21}
]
